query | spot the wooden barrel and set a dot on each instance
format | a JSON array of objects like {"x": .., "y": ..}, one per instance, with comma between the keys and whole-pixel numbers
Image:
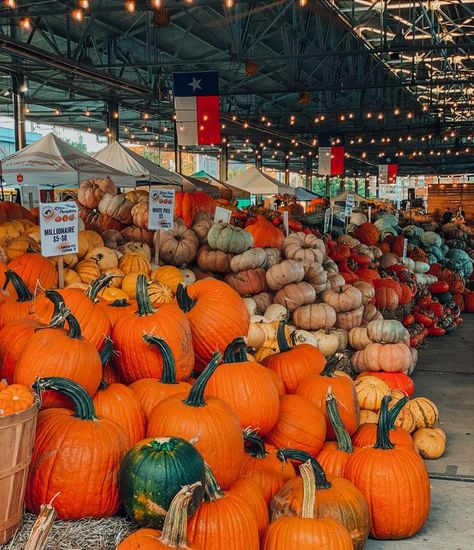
[{"x": 17, "y": 437}]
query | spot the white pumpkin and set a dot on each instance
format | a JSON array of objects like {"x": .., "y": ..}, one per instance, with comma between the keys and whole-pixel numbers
[
  {"x": 251, "y": 305},
  {"x": 327, "y": 342},
  {"x": 276, "y": 312},
  {"x": 304, "y": 337}
]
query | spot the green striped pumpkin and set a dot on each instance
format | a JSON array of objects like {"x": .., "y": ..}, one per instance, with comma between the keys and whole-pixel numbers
[{"x": 152, "y": 473}]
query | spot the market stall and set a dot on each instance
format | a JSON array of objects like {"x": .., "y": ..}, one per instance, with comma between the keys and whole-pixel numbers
[{"x": 257, "y": 182}]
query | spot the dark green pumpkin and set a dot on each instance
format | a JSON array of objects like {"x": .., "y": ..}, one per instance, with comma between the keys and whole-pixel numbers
[{"x": 151, "y": 474}]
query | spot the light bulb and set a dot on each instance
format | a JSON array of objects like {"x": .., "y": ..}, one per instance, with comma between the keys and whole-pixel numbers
[
  {"x": 130, "y": 6},
  {"x": 11, "y": 4},
  {"x": 229, "y": 3},
  {"x": 156, "y": 4},
  {"x": 84, "y": 4},
  {"x": 77, "y": 15},
  {"x": 25, "y": 23}
]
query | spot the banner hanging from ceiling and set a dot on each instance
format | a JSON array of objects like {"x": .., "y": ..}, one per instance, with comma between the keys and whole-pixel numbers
[
  {"x": 331, "y": 157},
  {"x": 388, "y": 171}
]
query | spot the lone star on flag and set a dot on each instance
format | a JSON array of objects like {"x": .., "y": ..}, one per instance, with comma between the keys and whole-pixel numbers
[{"x": 195, "y": 84}]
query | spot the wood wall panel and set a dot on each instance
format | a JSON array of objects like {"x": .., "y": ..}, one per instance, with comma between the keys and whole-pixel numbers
[{"x": 441, "y": 196}]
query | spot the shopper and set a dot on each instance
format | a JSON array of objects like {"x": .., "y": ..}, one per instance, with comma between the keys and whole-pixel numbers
[
  {"x": 447, "y": 216},
  {"x": 460, "y": 212}
]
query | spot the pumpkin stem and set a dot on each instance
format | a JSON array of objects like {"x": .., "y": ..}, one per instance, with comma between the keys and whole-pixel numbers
[
  {"x": 143, "y": 299},
  {"x": 344, "y": 442},
  {"x": 107, "y": 351},
  {"x": 83, "y": 405},
  {"x": 254, "y": 444},
  {"x": 196, "y": 393},
  {"x": 212, "y": 490},
  {"x": 281, "y": 337},
  {"x": 60, "y": 310},
  {"x": 331, "y": 365},
  {"x": 168, "y": 375},
  {"x": 235, "y": 352},
  {"x": 383, "y": 438},
  {"x": 395, "y": 411},
  {"x": 185, "y": 302},
  {"x": 24, "y": 294},
  {"x": 74, "y": 327},
  {"x": 302, "y": 456},
  {"x": 122, "y": 302},
  {"x": 96, "y": 286},
  {"x": 309, "y": 490},
  {"x": 175, "y": 526}
]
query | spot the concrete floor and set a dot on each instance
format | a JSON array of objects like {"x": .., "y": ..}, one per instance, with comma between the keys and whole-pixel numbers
[{"x": 445, "y": 373}]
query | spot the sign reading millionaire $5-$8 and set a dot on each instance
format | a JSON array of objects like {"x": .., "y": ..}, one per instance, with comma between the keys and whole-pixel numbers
[
  {"x": 161, "y": 208},
  {"x": 59, "y": 228}
]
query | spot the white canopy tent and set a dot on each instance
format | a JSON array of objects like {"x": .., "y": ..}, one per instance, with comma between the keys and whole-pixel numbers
[
  {"x": 342, "y": 197},
  {"x": 256, "y": 182},
  {"x": 51, "y": 162},
  {"x": 143, "y": 170}
]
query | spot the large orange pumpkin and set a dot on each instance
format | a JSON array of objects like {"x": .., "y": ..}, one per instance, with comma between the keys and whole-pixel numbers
[
  {"x": 386, "y": 298},
  {"x": 187, "y": 205},
  {"x": 35, "y": 269},
  {"x": 20, "y": 305},
  {"x": 367, "y": 233},
  {"x": 265, "y": 234}
]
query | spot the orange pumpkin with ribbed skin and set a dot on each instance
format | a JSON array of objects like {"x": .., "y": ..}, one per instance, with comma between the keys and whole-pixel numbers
[
  {"x": 19, "y": 307},
  {"x": 151, "y": 391},
  {"x": 54, "y": 351},
  {"x": 395, "y": 483},
  {"x": 136, "y": 359},
  {"x": 175, "y": 527},
  {"x": 34, "y": 268},
  {"x": 224, "y": 520},
  {"x": 406, "y": 295},
  {"x": 262, "y": 465},
  {"x": 367, "y": 233},
  {"x": 335, "y": 454},
  {"x": 386, "y": 298},
  {"x": 294, "y": 364},
  {"x": 247, "y": 387},
  {"x": 187, "y": 205},
  {"x": 398, "y": 245},
  {"x": 388, "y": 282},
  {"x": 211, "y": 420},
  {"x": 265, "y": 234},
  {"x": 13, "y": 337},
  {"x": 76, "y": 458},
  {"x": 217, "y": 315},
  {"x": 394, "y": 380},
  {"x": 336, "y": 499},
  {"x": 249, "y": 490},
  {"x": 368, "y": 275},
  {"x": 316, "y": 387},
  {"x": 301, "y": 425},
  {"x": 119, "y": 403}
]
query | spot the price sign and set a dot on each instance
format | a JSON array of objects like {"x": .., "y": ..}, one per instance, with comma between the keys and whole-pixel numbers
[
  {"x": 285, "y": 222},
  {"x": 370, "y": 214},
  {"x": 349, "y": 205},
  {"x": 327, "y": 219},
  {"x": 161, "y": 208},
  {"x": 30, "y": 196},
  {"x": 59, "y": 228},
  {"x": 405, "y": 248},
  {"x": 222, "y": 215}
]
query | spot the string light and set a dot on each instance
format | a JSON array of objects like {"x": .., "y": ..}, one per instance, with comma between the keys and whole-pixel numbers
[
  {"x": 77, "y": 15},
  {"x": 380, "y": 116},
  {"x": 156, "y": 4},
  {"x": 130, "y": 6},
  {"x": 396, "y": 111},
  {"x": 229, "y": 4},
  {"x": 11, "y": 4},
  {"x": 84, "y": 4},
  {"x": 369, "y": 115},
  {"x": 410, "y": 115},
  {"x": 25, "y": 23},
  {"x": 56, "y": 111}
]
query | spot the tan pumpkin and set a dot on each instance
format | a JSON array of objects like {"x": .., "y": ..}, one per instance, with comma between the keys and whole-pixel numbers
[
  {"x": 134, "y": 263},
  {"x": 349, "y": 319},
  {"x": 326, "y": 341},
  {"x": 370, "y": 392},
  {"x": 139, "y": 214},
  {"x": 275, "y": 312},
  {"x": 358, "y": 338},
  {"x": 168, "y": 275},
  {"x": 88, "y": 271},
  {"x": 386, "y": 331},
  {"x": 343, "y": 338},
  {"x": 343, "y": 298},
  {"x": 425, "y": 412},
  {"x": 285, "y": 273},
  {"x": 129, "y": 283},
  {"x": 104, "y": 257},
  {"x": 303, "y": 246},
  {"x": 357, "y": 361},
  {"x": 117, "y": 207},
  {"x": 295, "y": 295},
  {"x": 254, "y": 258},
  {"x": 366, "y": 289},
  {"x": 263, "y": 300},
  {"x": 137, "y": 195},
  {"x": 136, "y": 234},
  {"x": 87, "y": 240},
  {"x": 188, "y": 276},
  {"x": 430, "y": 442},
  {"x": 179, "y": 245},
  {"x": 371, "y": 313},
  {"x": 336, "y": 280},
  {"x": 304, "y": 337},
  {"x": 251, "y": 305},
  {"x": 159, "y": 293},
  {"x": 34, "y": 232},
  {"x": 69, "y": 260},
  {"x": 249, "y": 282},
  {"x": 136, "y": 248},
  {"x": 314, "y": 317},
  {"x": 368, "y": 417},
  {"x": 387, "y": 357},
  {"x": 315, "y": 275},
  {"x": 273, "y": 257},
  {"x": 90, "y": 192},
  {"x": 202, "y": 224},
  {"x": 8, "y": 232},
  {"x": 71, "y": 277},
  {"x": 20, "y": 245},
  {"x": 213, "y": 260},
  {"x": 112, "y": 239},
  {"x": 259, "y": 332},
  {"x": 117, "y": 278}
]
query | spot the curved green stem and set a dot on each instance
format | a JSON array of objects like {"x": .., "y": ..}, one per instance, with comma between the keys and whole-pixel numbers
[
  {"x": 83, "y": 405},
  {"x": 143, "y": 299},
  {"x": 185, "y": 302},
  {"x": 383, "y": 436},
  {"x": 344, "y": 442},
  {"x": 97, "y": 285},
  {"x": 302, "y": 456},
  {"x": 196, "y": 394},
  {"x": 168, "y": 375},
  {"x": 235, "y": 352},
  {"x": 281, "y": 337},
  {"x": 74, "y": 327},
  {"x": 254, "y": 444},
  {"x": 175, "y": 527},
  {"x": 62, "y": 313},
  {"x": 395, "y": 411},
  {"x": 107, "y": 351},
  {"x": 212, "y": 490},
  {"x": 309, "y": 490},
  {"x": 331, "y": 365},
  {"x": 24, "y": 294}
]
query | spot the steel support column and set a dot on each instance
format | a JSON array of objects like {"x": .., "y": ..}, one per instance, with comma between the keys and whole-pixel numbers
[
  {"x": 113, "y": 121},
  {"x": 177, "y": 151},
  {"x": 342, "y": 184},
  {"x": 258, "y": 157},
  {"x": 224, "y": 163},
  {"x": 366, "y": 188},
  {"x": 287, "y": 169},
  {"x": 377, "y": 188},
  {"x": 328, "y": 187},
  {"x": 19, "y": 112},
  {"x": 309, "y": 173}
]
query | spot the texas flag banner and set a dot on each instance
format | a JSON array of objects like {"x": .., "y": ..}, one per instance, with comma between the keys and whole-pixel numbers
[
  {"x": 196, "y": 101},
  {"x": 388, "y": 171},
  {"x": 331, "y": 157}
]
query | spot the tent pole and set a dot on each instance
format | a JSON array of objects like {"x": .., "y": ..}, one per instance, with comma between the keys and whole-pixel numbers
[{"x": 328, "y": 187}]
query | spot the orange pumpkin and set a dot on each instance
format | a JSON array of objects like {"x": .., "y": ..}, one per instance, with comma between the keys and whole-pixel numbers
[
  {"x": 35, "y": 269},
  {"x": 386, "y": 298},
  {"x": 367, "y": 233},
  {"x": 265, "y": 234}
]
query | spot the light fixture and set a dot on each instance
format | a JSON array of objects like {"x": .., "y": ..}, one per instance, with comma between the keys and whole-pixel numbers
[
  {"x": 303, "y": 3},
  {"x": 130, "y": 6},
  {"x": 84, "y": 4},
  {"x": 25, "y": 23},
  {"x": 369, "y": 115},
  {"x": 11, "y": 4},
  {"x": 396, "y": 111},
  {"x": 410, "y": 115},
  {"x": 229, "y": 4},
  {"x": 23, "y": 88},
  {"x": 87, "y": 112},
  {"x": 77, "y": 15},
  {"x": 156, "y": 4},
  {"x": 56, "y": 111}
]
